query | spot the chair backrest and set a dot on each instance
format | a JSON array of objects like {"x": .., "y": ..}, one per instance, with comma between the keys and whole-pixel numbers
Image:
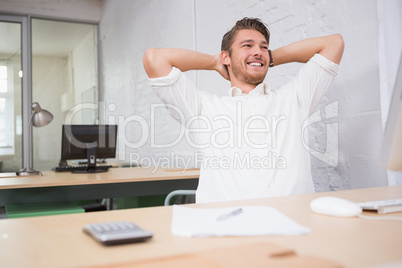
[{"x": 188, "y": 193}]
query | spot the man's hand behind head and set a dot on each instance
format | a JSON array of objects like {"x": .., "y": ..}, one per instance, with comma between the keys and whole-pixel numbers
[{"x": 220, "y": 67}]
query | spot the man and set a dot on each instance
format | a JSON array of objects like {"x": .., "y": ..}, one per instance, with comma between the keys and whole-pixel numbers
[{"x": 250, "y": 140}]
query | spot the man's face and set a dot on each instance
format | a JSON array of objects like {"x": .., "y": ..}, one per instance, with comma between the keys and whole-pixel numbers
[{"x": 249, "y": 59}]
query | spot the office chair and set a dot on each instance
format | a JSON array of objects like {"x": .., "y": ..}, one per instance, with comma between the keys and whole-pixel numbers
[{"x": 181, "y": 197}]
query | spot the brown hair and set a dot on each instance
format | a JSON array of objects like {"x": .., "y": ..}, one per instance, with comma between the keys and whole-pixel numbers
[{"x": 245, "y": 23}]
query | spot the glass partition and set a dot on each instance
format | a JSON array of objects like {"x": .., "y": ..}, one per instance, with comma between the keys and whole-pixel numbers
[
  {"x": 64, "y": 68},
  {"x": 64, "y": 82},
  {"x": 10, "y": 97}
]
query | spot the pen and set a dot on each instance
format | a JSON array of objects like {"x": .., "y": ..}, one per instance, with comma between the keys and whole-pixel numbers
[{"x": 230, "y": 214}]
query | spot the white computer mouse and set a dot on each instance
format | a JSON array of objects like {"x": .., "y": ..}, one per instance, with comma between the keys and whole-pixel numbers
[{"x": 335, "y": 206}]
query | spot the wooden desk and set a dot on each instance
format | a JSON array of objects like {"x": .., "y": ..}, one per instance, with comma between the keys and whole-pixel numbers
[
  {"x": 117, "y": 182},
  {"x": 55, "y": 241}
]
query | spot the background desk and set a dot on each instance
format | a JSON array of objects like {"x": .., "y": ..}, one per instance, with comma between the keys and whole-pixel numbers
[
  {"x": 55, "y": 241},
  {"x": 117, "y": 182}
]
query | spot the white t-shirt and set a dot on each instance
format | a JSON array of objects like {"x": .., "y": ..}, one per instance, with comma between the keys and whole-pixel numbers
[{"x": 251, "y": 145}]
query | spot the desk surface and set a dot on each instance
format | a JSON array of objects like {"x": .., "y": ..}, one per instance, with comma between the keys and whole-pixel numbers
[
  {"x": 114, "y": 175},
  {"x": 117, "y": 182},
  {"x": 54, "y": 241}
]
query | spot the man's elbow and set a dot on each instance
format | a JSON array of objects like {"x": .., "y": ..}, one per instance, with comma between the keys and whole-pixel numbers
[
  {"x": 156, "y": 62},
  {"x": 338, "y": 41},
  {"x": 338, "y": 46},
  {"x": 147, "y": 59},
  {"x": 333, "y": 48}
]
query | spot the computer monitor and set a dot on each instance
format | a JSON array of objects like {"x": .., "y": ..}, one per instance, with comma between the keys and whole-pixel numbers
[
  {"x": 391, "y": 152},
  {"x": 88, "y": 142}
]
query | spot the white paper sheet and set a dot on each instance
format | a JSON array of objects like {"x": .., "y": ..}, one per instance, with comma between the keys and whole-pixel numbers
[{"x": 252, "y": 221}]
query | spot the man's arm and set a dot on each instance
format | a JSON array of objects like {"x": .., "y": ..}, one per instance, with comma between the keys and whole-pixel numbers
[
  {"x": 158, "y": 62},
  {"x": 330, "y": 47}
]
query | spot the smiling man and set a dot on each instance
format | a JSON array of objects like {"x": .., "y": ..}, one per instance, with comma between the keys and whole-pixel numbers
[{"x": 250, "y": 141}]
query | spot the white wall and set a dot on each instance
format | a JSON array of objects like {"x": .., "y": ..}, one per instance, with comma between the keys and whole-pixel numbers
[{"x": 127, "y": 28}]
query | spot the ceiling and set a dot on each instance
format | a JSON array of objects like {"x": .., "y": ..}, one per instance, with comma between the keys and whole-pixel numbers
[{"x": 49, "y": 38}]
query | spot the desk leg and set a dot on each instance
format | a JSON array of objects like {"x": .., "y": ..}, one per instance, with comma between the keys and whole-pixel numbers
[
  {"x": 110, "y": 203},
  {"x": 3, "y": 213}
]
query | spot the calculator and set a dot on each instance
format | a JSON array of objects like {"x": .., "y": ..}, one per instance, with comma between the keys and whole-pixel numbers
[{"x": 118, "y": 232}]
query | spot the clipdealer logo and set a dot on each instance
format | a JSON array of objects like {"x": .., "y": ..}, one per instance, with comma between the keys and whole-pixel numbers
[{"x": 237, "y": 133}]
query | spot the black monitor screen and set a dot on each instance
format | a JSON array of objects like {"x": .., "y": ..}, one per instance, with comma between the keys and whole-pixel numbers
[{"x": 79, "y": 140}]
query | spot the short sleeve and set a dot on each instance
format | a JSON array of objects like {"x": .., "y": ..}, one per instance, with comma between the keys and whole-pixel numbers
[
  {"x": 313, "y": 81},
  {"x": 178, "y": 93}
]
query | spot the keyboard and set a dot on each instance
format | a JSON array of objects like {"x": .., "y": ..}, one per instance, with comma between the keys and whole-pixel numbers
[
  {"x": 383, "y": 206},
  {"x": 80, "y": 168}
]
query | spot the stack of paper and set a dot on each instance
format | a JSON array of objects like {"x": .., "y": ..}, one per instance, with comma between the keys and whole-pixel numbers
[{"x": 233, "y": 221}]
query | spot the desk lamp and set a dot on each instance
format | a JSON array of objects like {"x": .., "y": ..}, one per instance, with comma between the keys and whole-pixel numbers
[{"x": 39, "y": 118}]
